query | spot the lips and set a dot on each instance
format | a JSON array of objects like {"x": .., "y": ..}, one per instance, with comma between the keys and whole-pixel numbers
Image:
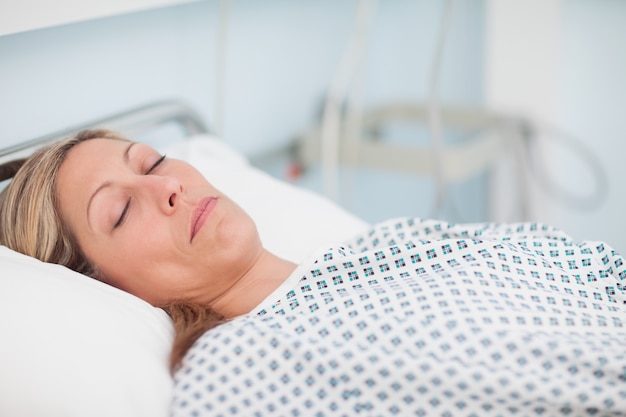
[{"x": 201, "y": 213}]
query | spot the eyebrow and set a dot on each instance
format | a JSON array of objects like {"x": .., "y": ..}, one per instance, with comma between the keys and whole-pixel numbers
[{"x": 106, "y": 184}]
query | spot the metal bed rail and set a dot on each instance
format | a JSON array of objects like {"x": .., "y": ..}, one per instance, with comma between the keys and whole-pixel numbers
[{"x": 132, "y": 122}]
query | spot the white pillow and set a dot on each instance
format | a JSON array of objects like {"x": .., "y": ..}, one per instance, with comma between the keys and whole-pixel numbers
[{"x": 74, "y": 347}]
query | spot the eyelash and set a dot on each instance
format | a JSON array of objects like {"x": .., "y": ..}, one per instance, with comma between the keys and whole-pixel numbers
[
  {"x": 127, "y": 206},
  {"x": 156, "y": 164}
]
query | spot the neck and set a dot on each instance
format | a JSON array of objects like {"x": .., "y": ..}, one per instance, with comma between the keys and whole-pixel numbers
[{"x": 265, "y": 275}]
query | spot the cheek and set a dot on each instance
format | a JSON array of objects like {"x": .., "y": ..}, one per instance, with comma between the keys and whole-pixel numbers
[
  {"x": 137, "y": 274},
  {"x": 238, "y": 236},
  {"x": 131, "y": 262}
]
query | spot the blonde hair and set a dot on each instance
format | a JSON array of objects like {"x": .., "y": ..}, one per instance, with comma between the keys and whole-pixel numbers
[{"x": 30, "y": 223}]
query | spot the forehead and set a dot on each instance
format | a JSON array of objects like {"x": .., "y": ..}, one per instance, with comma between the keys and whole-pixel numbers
[
  {"x": 97, "y": 148},
  {"x": 87, "y": 164},
  {"x": 98, "y": 153}
]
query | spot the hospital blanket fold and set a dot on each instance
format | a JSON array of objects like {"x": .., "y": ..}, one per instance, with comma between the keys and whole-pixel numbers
[{"x": 419, "y": 317}]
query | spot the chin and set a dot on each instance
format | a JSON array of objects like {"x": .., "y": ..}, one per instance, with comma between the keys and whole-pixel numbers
[{"x": 239, "y": 235}]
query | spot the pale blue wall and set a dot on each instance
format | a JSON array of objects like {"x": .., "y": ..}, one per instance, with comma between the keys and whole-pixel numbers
[
  {"x": 281, "y": 55},
  {"x": 52, "y": 78}
]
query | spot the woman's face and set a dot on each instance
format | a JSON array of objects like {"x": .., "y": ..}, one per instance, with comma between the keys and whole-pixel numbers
[{"x": 153, "y": 226}]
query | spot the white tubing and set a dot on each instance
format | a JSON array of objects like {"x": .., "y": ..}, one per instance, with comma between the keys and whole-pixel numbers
[
  {"x": 332, "y": 117},
  {"x": 434, "y": 116}
]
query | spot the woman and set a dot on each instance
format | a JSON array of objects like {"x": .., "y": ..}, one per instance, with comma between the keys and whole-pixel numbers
[
  {"x": 118, "y": 211},
  {"x": 411, "y": 318}
]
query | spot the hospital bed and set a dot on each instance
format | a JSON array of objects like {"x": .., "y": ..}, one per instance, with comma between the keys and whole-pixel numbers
[{"x": 73, "y": 346}]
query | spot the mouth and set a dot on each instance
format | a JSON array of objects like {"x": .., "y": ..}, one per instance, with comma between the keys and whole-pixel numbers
[{"x": 200, "y": 214}]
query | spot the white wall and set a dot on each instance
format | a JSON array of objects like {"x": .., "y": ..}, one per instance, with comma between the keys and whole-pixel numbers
[
  {"x": 25, "y": 15},
  {"x": 592, "y": 106},
  {"x": 563, "y": 62}
]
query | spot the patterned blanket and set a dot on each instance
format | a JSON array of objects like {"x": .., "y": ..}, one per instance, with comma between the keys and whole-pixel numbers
[{"x": 425, "y": 318}]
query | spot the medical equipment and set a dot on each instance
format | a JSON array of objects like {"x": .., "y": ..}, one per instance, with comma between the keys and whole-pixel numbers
[{"x": 349, "y": 136}]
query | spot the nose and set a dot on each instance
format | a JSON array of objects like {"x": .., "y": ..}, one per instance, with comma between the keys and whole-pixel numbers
[{"x": 164, "y": 191}]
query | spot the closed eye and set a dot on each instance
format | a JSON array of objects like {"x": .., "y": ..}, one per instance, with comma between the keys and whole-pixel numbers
[
  {"x": 156, "y": 164},
  {"x": 123, "y": 215},
  {"x": 120, "y": 221}
]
